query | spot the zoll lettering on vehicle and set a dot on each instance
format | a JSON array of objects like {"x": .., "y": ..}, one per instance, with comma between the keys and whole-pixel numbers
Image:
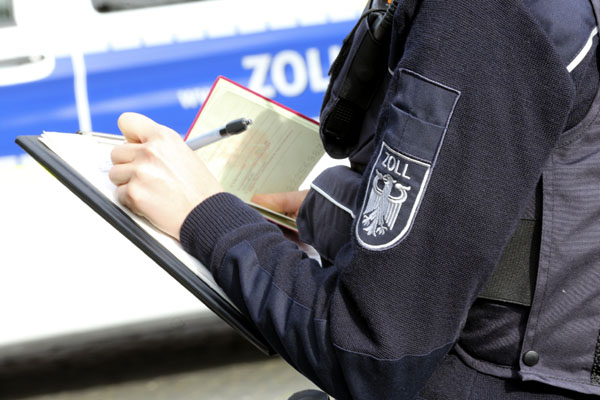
[{"x": 78, "y": 64}]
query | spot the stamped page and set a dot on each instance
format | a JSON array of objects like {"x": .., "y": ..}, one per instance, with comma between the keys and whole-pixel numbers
[{"x": 276, "y": 153}]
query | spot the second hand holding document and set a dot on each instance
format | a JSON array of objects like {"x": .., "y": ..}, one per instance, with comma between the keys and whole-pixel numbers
[{"x": 277, "y": 153}]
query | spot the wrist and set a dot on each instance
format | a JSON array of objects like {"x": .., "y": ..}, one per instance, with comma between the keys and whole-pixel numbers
[{"x": 212, "y": 219}]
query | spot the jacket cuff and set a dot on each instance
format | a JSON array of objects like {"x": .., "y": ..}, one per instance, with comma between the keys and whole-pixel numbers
[{"x": 210, "y": 220}]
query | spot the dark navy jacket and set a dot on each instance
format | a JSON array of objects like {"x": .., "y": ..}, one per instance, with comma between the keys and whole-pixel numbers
[{"x": 474, "y": 103}]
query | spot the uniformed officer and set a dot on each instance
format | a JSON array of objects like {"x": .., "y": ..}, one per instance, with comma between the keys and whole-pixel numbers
[{"x": 461, "y": 246}]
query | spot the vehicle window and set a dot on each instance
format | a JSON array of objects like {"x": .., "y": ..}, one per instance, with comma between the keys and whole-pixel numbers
[
  {"x": 120, "y": 5},
  {"x": 6, "y": 13}
]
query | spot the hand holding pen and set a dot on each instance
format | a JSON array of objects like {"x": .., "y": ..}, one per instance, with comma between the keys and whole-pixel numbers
[{"x": 158, "y": 176}]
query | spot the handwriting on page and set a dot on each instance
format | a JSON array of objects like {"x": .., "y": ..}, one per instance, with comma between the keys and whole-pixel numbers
[{"x": 103, "y": 150}]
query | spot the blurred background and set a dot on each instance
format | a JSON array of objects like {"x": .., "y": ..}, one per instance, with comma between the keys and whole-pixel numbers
[{"x": 83, "y": 313}]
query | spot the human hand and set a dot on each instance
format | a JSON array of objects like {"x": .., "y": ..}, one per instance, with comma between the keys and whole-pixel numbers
[
  {"x": 157, "y": 175},
  {"x": 287, "y": 203}
]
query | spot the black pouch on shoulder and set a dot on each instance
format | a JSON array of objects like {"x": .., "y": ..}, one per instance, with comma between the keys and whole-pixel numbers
[{"x": 355, "y": 76}]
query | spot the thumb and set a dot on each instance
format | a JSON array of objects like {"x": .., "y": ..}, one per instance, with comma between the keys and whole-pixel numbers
[
  {"x": 138, "y": 128},
  {"x": 272, "y": 201},
  {"x": 285, "y": 202}
]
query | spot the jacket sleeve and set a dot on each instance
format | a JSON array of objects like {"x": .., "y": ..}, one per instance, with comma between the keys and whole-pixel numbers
[{"x": 377, "y": 323}]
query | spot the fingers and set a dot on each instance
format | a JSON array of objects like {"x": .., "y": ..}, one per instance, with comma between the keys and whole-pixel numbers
[
  {"x": 121, "y": 174},
  {"x": 124, "y": 153},
  {"x": 272, "y": 201},
  {"x": 138, "y": 128},
  {"x": 123, "y": 196},
  {"x": 126, "y": 197},
  {"x": 286, "y": 203},
  {"x": 157, "y": 175}
]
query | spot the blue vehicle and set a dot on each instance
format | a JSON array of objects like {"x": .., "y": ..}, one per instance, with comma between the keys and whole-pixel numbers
[{"x": 78, "y": 64}]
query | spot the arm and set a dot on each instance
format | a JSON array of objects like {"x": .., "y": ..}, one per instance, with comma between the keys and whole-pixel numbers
[{"x": 378, "y": 322}]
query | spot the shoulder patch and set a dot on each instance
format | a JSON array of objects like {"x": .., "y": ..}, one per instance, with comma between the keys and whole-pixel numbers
[{"x": 419, "y": 114}]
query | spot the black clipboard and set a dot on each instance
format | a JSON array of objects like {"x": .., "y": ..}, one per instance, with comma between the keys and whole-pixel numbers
[{"x": 132, "y": 231}]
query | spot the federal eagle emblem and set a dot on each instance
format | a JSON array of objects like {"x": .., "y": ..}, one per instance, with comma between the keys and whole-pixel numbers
[
  {"x": 384, "y": 204},
  {"x": 392, "y": 199}
]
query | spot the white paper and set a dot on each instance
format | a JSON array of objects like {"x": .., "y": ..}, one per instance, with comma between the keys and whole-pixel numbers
[{"x": 90, "y": 157}]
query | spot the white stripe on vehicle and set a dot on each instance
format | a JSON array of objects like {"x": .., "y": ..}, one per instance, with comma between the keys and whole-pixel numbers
[{"x": 81, "y": 92}]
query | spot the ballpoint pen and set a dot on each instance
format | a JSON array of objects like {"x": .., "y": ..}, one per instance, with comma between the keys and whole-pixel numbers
[{"x": 231, "y": 128}]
